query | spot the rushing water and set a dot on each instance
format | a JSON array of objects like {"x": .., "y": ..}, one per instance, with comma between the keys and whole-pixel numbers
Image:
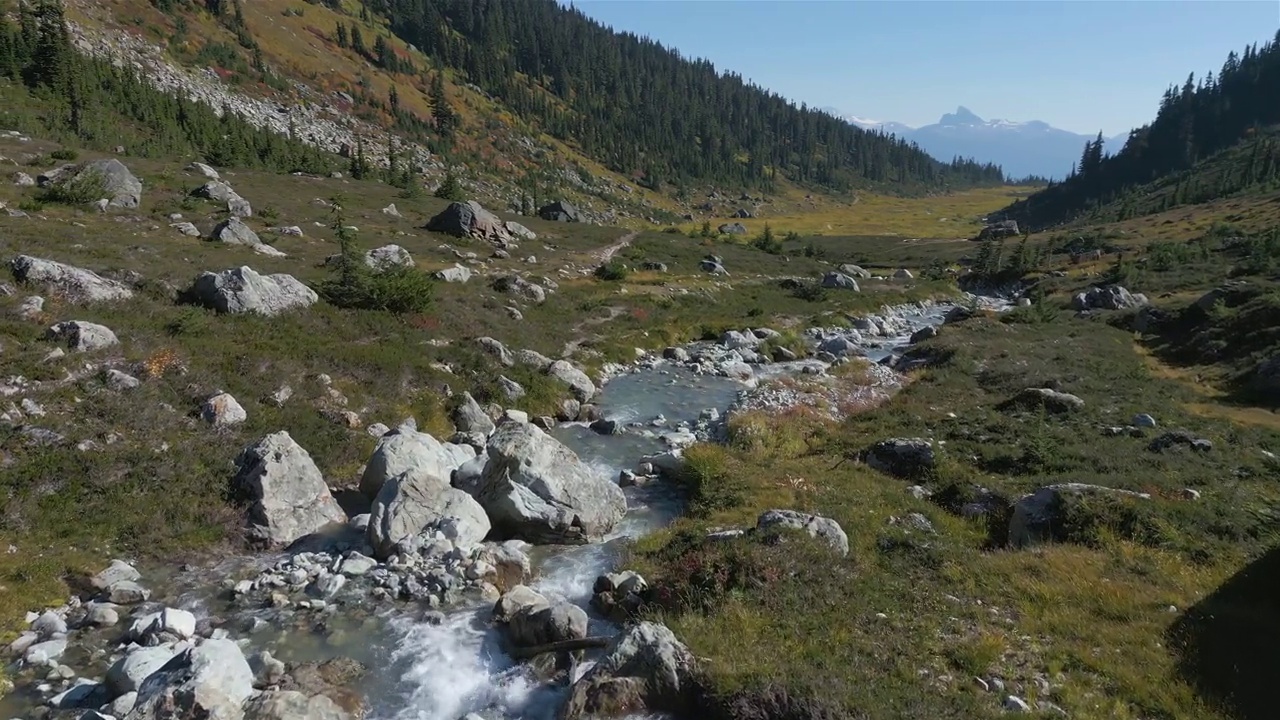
[{"x": 424, "y": 669}]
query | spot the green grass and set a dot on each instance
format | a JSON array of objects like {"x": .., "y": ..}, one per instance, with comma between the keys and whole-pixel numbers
[{"x": 1090, "y": 616}]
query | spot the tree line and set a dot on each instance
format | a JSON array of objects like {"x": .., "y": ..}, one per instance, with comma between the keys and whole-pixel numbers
[
  {"x": 47, "y": 85},
  {"x": 1194, "y": 122},
  {"x": 646, "y": 111}
]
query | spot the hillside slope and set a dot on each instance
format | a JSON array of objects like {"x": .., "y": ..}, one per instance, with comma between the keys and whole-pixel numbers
[{"x": 1194, "y": 123}]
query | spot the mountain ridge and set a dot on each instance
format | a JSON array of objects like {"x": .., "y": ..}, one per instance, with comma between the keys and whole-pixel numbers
[{"x": 1022, "y": 148}]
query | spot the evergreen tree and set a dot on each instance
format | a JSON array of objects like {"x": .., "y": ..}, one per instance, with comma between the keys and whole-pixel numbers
[
  {"x": 393, "y": 99},
  {"x": 441, "y": 112},
  {"x": 360, "y": 167},
  {"x": 342, "y": 35},
  {"x": 451, "y": 189},
  {"x": 383, "y": 55},
  {"x": 357, "y": 41}
]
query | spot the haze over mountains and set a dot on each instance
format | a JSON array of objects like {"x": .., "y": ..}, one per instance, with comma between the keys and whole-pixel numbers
[{"x": 1021, "y": 148}]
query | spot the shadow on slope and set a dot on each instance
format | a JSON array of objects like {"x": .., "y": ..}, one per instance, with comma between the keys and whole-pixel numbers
[{"x": 1227, "y": 642}]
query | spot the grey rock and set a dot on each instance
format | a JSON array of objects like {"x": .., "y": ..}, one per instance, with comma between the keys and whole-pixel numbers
[
  {"x": 75, "y": 284},
  {"x": 267, "y": 670},
  {"x": 455, "y": 274},
  {"x": 127, "y": 592},
  {"x": 31, "y": 308},
  {"x": 469, "y": 417},
  {"x": 222, "y": 193},
  {"x": 22, "y": 179},
  {"x": 579, "y": 383},
  {"x": 129, "y": 672},
  {"x": 82, "y": 336},
  {"x": 117, "y": 571},
  {"x": 520, "y": 231},
  {"x": 1035, "y": 515},
  {"x": 517, "y": 600},
  {"x": 287, "y": 494},
  {"x": 512, "y": 389},
  {"x": 205, "y": 170},
  {"x": 1143, "y": 420},
  {"x": 903, "y": 274},
  {"x": 1176, "y": 438},
  {"x": 1051, "y": 400},
  {"x": 232, "y": 231},
  {"x": 222, "y": 410},
  {"x": 186, "y": 228},
  {"x": 1113, "y": 297},
  {"x": 497, "y": 350},
  {"x": 357, "y": 565},
  {"x": 121, "y": 188},
  {"x": 388, "y": 257},
  {"x": 559, "y": 211},
  {"x": 102, "y": 615},
  {"x": 405, "y": 450},
  {"x": 924, "y": 333},
  {"x": 854, "y": 271},
  {"x": 293, "y": 705},
  {"x": 644, "y": 670},
  {"x": 120, "y": 381},
  {"x": 534, "y": 625},
  {"x": 1013, "y": 703},
  {"x": 537, "y": 489},
  {"x": 839, "y": 281},
  {"x": 241, "y": 290},
  {"x": 416, "y": 502},
  {"x": 45, "y": 653},
  {"x": 518, "y": 286},
  {"x": 469, "y": 219},
  {"x": 905, "y": 457},
  {"x": 211, "y": 681},
  {"x": 826, "y": 529},
  {"x": 532, "y": 359},
  {"x": 392, "y": 211},
  {"x": 732, "y": 229},
  {"x": 83, "y": 694},
  {"x": 119, "y": 707},
  {"x": 49, "y": 624}
]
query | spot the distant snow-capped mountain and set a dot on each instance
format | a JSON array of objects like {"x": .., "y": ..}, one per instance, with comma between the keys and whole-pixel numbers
[{"x": 1021, "y": 148}]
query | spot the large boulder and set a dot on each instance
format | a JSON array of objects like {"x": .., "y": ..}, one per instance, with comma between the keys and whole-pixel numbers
[
  {"x": 129, "y": 672},
  {"x": 1112, "y": 297},
  {"x": 579, "y": 383},
  {"x": 559, "y": 211},
  {"x": 1036, "y": 516},
  {"x": 222, "y": 193},
  {"x": 120, "y": 187},
  {"x": 469, "y": 219},
  {"x": 242, "y": 290},
  {"x": 854, "y": 271},
  {"x": 405, "y": 450},
  {"x": 82, "y": 336},
  {"x": 644, "y": 670},
  {"x": 905, "y": 457},
  {"x": 826, "y": 529},
  {"x": 536, "y": 489},
  {"x": 211, "y": 681},
  {"x": 469, "y": 417},
  {"x": 72, "y": 283},
  {"x": 388, "y": 257},
  {"x": 516, "y": 285},
  {"x": 535, "y": 625},
  {"x": 839, "y": 281},
  {"x": 1047, "y": 398},
  {"x": 234, "y": 232},
  {"x": 415, "y": 503},
  {"x": 288, "y": 495},
  {"x": 998, "y": 230},
  {"x": 732, "y": 229},
  {"x": 455, "y": 274},
  {"x": 293, "y": 705}
]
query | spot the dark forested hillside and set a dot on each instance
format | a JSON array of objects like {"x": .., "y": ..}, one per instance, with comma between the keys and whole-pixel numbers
[
  {"x": 645, "y": 111},
  {"x": 1195, "y": 122}
]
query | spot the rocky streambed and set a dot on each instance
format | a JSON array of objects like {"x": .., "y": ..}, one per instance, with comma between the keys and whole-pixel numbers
[{"x": 407, "y": 612}]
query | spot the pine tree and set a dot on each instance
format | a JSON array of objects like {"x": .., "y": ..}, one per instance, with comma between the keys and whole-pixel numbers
[
  {"x": 443, "y": 115},
  {"x": 357, "y": 41},
  {"x": 394, "y": 100},
  {"x": 342, "y": 35},
  {"x": 451, "y": 189}
]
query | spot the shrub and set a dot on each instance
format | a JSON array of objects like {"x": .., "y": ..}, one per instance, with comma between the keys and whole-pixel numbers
[
  {"x": 451, "y": 189},
  {"x": 79, "y": 190},
  {"x": 613, "y": 271},
  {"x": 395, "y": 289},
  {"x": 767, "y": 242},
  {"x": 707, "y": 478},
  {"x": 64, "y": 154},
  {"x": 810, "y": 291}
]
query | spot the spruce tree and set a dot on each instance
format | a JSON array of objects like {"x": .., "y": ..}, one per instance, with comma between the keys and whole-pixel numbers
[
  {"x": 357, "y": 41},
  {"x": 342, "y": 35}
]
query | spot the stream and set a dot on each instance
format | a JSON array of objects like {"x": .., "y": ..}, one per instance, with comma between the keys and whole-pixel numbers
[{"x": 428, "y": 666}]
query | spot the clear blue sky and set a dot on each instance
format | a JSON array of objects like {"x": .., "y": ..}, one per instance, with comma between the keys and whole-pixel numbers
[{"x": 1082, "y": 66}]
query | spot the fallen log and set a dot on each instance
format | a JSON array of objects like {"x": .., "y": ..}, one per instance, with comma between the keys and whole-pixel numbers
[{"x": 526, "y": 653}]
